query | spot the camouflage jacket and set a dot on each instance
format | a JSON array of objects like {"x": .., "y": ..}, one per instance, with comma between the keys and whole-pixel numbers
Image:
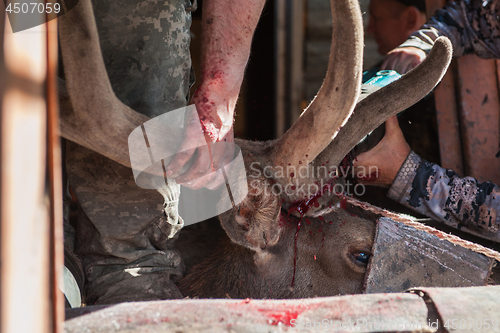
[
  {"x": 473, "y": 26},
  {"x": 439, "y": 193}
]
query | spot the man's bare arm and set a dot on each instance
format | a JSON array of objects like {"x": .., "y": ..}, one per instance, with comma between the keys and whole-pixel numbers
[{"x": 228, "y": 28}]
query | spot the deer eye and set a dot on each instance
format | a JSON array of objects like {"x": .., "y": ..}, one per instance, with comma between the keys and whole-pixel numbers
[{"x": 361, "y": 257}]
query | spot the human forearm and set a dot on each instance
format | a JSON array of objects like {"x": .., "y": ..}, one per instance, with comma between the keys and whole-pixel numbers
[
  {"x": 441, "y": 194},
  {"x": 228, "y": 28},
  {"x": 472, "y": 27}
]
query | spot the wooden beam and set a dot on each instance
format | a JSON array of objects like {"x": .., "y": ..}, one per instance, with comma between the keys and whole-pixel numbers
[
  {"x": 479, "y": 115},
  {"x": 54, "y": 171},
  {"x": 280, "y": 54},
  {"x": 289, "y": 62},
  {"x": 24, "y": 219},
  {"x": 450, "y": 145}
]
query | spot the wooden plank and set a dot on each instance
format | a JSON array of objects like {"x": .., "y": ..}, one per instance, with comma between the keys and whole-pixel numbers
[
  {"x": 450, "y": 145},
  {"x": 2, "y": 88},
  {"x": 280, "y": 54},
  {"x": 475, "y": 309},
  {"x": 498, "y": 78},
  {"x": 404, "y": 257},
  {"x": 54, "y": 168},
  {"x": 296, "y": 59},
  {"x": 350, "y": 313},
  {"x": 289, "y": 62},
  {"x": 319, "y": 23},
  {"x": 479, "y": 116},
  {"x": 23, "y": 213}
]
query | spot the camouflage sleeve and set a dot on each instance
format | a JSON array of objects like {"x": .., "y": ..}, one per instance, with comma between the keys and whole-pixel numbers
[
  {"x": 471, "y": 25},
  {"x": 439, "y": 193}
]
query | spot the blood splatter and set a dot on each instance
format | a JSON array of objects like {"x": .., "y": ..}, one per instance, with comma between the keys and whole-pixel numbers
[{"x": 284, "y": 316}]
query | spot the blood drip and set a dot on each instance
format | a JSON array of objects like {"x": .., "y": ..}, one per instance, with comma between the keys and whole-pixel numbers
[
  {"x": 343, "y": 203},
  {"x": 302, "y": 207}
]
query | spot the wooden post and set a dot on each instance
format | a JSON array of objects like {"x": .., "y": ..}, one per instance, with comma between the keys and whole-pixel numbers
[
  {"x": 28, "y": 272},
  {"x": 469, "y": 129},
  {"x": 289, "y": 62},
  {"x": 450, "y": 145},
  {"x": 54, "y": 170},
  {"x": 479, "y": 116}
]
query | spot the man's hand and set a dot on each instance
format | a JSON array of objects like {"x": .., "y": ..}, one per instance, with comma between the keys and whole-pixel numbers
[
  {"x": 404, "y": 59},
  {"x": 215, "y": 142},
  {"x": 380, "y": 165},
  {"x": 228, "y": 28}
]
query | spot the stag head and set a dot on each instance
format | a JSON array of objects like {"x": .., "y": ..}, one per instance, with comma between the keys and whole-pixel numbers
[{"x": 287, "y": 242}]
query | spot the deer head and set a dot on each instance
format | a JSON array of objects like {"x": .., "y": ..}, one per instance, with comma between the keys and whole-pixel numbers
[{"x": 283, "y": 246}]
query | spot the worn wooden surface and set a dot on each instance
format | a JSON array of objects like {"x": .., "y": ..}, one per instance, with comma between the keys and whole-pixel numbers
[
  {"x": 25, "y": 231},
  {"x": 255, "y": 316},
  {"x": 399, "y": 312},
  {"x": 289, "y": 62},
  {"x": 450, "y": 145},
  {"x": 474, "y": 309},
  {"x": 54, "y": 170},
  {"x": 469, "y": 129},
  {"x": 479, "y": 116},
  {"x": 403, "y": 257}
]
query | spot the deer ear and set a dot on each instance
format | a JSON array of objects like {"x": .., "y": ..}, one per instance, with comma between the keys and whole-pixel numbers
[{"x": 254, "y": 223}]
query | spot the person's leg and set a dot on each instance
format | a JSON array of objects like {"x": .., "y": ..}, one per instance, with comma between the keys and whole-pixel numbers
[{"x": 124, "y": 234}]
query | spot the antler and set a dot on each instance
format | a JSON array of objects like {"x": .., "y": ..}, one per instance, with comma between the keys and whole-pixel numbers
[
  {"x": 372, "y": 111},
  {"x": 332, "y": 106}
]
